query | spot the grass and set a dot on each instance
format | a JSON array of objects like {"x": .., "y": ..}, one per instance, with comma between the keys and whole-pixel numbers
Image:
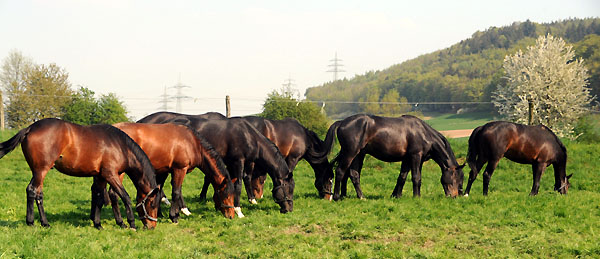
[
  {"x": 507, "y": 223},
  {"x": 450, "y": 121}
]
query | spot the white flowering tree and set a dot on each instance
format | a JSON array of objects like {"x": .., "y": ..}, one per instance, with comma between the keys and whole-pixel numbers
[{"x": 549, "y": 80}]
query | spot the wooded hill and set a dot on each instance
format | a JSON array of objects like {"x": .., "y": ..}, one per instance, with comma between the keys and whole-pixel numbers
[{"x": 468, "y": 71}]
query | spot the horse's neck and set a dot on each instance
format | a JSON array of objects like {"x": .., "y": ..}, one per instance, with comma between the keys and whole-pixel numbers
[{"x": 443, "y": 156}]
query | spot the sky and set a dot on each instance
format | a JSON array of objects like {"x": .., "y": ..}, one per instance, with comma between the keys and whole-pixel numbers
[{"x": 244, "y": 49}]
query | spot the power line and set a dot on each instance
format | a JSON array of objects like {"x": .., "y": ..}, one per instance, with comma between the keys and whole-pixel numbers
[
  {"x": 164, "y": 101},
  {"x": 180, "y": 97},
  {"x": 336, "y": 67}
]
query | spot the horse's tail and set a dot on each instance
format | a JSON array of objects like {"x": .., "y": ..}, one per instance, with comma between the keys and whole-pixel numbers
[
  {"x": 473, "y": 150},
  {"x": 316, "y": 148},
  {"x": 12, "y": 143},
  {"x": 328, "y": 143}
]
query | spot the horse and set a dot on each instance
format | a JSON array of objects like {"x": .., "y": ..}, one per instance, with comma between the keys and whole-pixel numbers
[
  {"x": 177, "y": 149},
  {"x": 242, "y": 148},
  {"x": 98, "y": 151},
  {"x": 406, "y": 138},
  {"x": 295, "y": 142},
  {"x": 535, "y": 145},
  {"x": 161, "y": 117}
]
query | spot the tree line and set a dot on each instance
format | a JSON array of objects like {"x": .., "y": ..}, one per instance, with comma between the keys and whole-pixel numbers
[
  {"x": 469, "y": 71},
  {"x": 35, "y": 91}
]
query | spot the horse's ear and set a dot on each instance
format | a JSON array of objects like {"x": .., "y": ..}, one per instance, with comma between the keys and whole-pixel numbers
[{"x": 569, "y": 176}]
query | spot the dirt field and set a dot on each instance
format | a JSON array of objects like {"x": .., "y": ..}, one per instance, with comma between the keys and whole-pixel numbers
[{"x": 457, "y": 133}]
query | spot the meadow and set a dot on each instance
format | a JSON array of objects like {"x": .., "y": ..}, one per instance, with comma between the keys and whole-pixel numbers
[{"x": 507, "y": 223}]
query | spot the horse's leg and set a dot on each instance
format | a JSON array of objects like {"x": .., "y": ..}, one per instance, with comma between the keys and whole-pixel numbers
[
  {"x": 538, "y": 171},
  {"x": 118, "y": 188},
  {"x": 98, "y": 193},
  {"x": 404, "y": 168},
  {"x": 415, "y": 171},
  {"x": 205, "y": 188},
  {"x": 35, "y": 194},
  {"x": 160, "y": 181},
  {"x": 114, "y": 203},
  {"x": 247, "y": 177},
  {"x": 344, "y": 186},
  {"x": 475, "y": 168},
  {"x": 487, "y": 174},
  {"x": 176, "y": 181},
  {"x": 344, "y": 162},
  {"x": 355, "y": 169},
  {"x": 237, "y": 171}
]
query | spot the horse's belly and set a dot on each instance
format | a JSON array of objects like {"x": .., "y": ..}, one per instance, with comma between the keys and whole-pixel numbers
[
  {"x": 75, "y": 169},
  {"x": 518, "y": 157}
]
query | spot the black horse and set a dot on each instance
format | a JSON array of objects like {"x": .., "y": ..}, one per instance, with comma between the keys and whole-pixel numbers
[
  {"x": 407, "y": 139},
  {"x": 242, "y": 148},
  {"x": 295, "y": 142},
  {"x": 535, "y": 145}
]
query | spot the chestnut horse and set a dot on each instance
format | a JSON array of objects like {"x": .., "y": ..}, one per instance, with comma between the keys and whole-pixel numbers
[
  {"x": 407, "y": 139},
  {"x": 242, "y": 148},
  {"x": 295, "y": 142},
  {"x": 535, "y": 145},
  {"x": 177, "y": 149},
  {"x": 99, "y": 151}
]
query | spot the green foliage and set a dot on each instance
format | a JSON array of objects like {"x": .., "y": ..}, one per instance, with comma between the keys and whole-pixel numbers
[
  {"x": 547, "y": 79},
  {"x": 281, "y": 104},
  {"x": 507, "y": 223},
  {"x": 84, "y": 109},
  {"x": 465, "y": 72},
  {"x": 589, "y": 50},
  {"x": 111, "y": 109},
  {"x": 588, "y": 129}
]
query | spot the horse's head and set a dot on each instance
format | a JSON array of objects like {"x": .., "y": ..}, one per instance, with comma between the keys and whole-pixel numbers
[
  {"x": 283, "y": 193},
  {"x": 564, "y": 187},
  {"x": 324, "y": 179},
  {"x": 223, "y": 198},
  {"x": 452, "y": 178},
  {"x": 147, "y": 207}
]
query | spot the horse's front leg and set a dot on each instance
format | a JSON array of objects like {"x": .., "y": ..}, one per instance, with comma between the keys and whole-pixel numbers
[
  {"x": 178, "y": 203},
  {"x": 415, "y": 171},
  {"x": 205, "y": 186},
  {"x": 247, "y": 176},
  {"x": 118, "y": 188},
  {"x": 237, "y": 171},
  {"x": 404, "y": 168},
  {"x": 538, "y": 171}
]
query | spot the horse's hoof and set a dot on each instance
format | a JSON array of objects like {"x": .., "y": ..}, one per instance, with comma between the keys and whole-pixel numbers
[
  {"x": 98, "y": 227},
  {"x": 238, "y": 212},
  {"x": 186, "y": 211},
  {"x": 122, "y": 225},
  {"x": 46, "y": 225},
  {"x": 466, "y": 195},
  {"x": 165, "y": 201},
  {"x": 253, "y": 201}
]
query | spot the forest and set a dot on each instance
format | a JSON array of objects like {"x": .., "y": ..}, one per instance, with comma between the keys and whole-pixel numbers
[{"x": 464, "y": 74}]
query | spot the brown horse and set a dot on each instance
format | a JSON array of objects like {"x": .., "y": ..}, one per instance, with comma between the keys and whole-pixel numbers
[
  {"x": 99, "y": 151},
  {"x": 407, "y": 139},
  {"x": 295, "y": 142},
  {"x": 535, "y": 145},
  {"x": 177, "y": 149}
]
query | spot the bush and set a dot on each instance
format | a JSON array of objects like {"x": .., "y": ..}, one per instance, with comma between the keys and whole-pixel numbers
[
  {"x": 588, "y": 128},
  {"x": 281, "y": 105}
]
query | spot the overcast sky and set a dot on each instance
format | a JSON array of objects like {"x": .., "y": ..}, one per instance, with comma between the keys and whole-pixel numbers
[{"x": 244, "y": 49}]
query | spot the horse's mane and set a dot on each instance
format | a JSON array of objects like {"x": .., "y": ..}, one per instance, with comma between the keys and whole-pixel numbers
[
  {"x": 148, "y": 169},
  {"x": 560, "y": 144},
  {"x": 212, "y": 152},
  {"x": 443, "y": 141},
  {"x": 278, "y": 156}
]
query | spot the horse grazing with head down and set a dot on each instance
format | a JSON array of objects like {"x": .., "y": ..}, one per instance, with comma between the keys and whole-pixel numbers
[
  {"x": 98, "y": 151},
  {"x": 177, "y": 150},
  {"x": 242, "y": 148},
  {"x": 295, "y": 142},
  {"x": 535, "y": 145},
  {"x": 407, "y": 139}
]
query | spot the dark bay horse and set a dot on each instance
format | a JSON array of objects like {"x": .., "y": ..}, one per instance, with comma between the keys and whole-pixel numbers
[
  {"x": 99, "y": 151},
  {"x": 177, "y": 149},
  {"x": 242, "y": 148},
  {"x": 407, "y": 139},
  {"x": 535, "y": 145},
  {"x": 295, "y": 142}
]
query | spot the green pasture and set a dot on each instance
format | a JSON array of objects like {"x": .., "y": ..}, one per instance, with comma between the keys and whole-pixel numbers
[
  {"x": 507, "y": 223},
  {"x": 451, "y": 121}
]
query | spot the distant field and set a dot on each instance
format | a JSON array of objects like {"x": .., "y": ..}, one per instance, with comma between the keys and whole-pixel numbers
[
  {"x": 507, "y": 223},
  {"x": 449, "y": 121}
]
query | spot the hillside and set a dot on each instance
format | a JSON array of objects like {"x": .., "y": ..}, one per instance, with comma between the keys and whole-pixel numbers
[{"x": 464, "y": 72}]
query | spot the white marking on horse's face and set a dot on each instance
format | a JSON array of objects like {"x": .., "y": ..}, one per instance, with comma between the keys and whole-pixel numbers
[
  {"x": 165, "y": 201},
  {"x": 186, "y": 211},
  {"x": 330, "y": 197},
  {"x": 238, "y": 211},
  {"x": 253, "y": 201}
]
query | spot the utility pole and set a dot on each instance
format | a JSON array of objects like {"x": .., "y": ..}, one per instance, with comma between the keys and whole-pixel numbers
[
  {"x": 164, "y": 101},
  {"x": 180, "y": 97},
  {"x": 227, "y": 106},
  {"x": 336, "y": 67}
]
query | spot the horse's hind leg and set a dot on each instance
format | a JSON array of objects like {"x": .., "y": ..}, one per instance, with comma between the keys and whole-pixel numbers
[
  {"x": 538, "y": 171},
  {"x": 354, "y": 175},
  {"x": 475, "y": 168},
  {"x": 98, "y": 193},
  {"x": 35, "y": 194},
  {"x": 247, "y": 177},
  {"x": 487, "y": 175}
]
